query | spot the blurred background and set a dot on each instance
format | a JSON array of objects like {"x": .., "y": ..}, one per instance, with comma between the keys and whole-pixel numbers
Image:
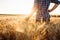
[{"x": 21, "y": 7}]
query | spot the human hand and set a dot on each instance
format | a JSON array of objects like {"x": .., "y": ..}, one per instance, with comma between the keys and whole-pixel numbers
[
  {"x": 49, "y": 10},
  {"x": 27, "y": 18}
]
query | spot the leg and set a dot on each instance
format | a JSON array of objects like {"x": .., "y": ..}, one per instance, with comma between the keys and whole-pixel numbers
[
  {"x": 38, "y": 20},
  {"x": 47, "y": 19}
]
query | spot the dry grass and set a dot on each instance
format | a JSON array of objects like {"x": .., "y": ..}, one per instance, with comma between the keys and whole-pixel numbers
[{"x": 16, "y": 28}]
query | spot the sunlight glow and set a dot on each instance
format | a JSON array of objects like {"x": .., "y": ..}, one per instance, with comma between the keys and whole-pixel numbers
[
  {"x": 20, "y": 7},
  {"x": 16, "y": 6}
]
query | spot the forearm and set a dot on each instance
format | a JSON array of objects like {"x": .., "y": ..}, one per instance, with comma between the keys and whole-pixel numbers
[
  {"x": 34, "y": 9},
  {"x": 32, "y": 12},
  {"x": 54, "y": 7}
]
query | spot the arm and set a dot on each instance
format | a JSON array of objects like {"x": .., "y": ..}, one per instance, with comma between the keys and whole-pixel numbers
[
  {"x": 54, "y": 7},
  {"x": 57, "y": 2},
  {"x": 34, "y": 9}
]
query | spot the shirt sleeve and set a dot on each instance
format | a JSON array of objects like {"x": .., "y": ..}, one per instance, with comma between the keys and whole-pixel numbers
[
  {"x": 35, "y": 2},
  {"x": 55, "y": 1}
]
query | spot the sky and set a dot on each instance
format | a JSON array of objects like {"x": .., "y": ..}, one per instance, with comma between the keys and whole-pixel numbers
[{"x": 21, "y": 7}]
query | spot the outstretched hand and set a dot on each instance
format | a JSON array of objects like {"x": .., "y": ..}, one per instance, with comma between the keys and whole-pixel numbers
[
  {"x": 27, "y": 18},
  {"x": 49, "y": 10}
]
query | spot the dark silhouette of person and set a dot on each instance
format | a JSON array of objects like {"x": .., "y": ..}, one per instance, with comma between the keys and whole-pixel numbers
[{"x": 41, "y": 9}]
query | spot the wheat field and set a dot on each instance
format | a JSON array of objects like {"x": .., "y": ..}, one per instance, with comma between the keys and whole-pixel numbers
[{"x": 16, "y": 28}]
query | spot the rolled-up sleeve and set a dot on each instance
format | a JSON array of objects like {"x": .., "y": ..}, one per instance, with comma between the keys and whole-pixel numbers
[
  {"x": 35, "y": 3},
  {"x": 55, "y": 1}
]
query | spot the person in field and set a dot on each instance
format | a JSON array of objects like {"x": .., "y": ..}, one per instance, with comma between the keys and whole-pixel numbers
[{"x": 41, "y": 9}]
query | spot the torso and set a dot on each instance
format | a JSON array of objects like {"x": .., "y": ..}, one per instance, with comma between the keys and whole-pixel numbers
[{"x": 43, "y": 8}]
